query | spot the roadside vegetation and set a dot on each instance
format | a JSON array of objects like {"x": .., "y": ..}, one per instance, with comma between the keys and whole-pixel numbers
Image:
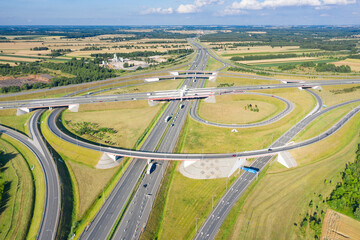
[
  {"x": 204, "y": 138},
  {"x": 8, "y": 118},
  {"x": 240, "y": 109},
  {"x": 31, "y": 208},
  {"x": 17, "y": 193},
  {"x": 296, "y": 193},
  {"x": 128, "y": 120}
]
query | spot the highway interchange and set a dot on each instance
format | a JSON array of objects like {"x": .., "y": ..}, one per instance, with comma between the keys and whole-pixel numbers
[{"x": 126, "y": 210}]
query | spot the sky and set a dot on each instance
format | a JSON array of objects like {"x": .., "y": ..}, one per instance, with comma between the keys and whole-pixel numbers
[{"x": 176, "y": 12}]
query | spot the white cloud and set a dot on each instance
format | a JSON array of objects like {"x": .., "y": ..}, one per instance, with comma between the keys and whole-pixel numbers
[
  {"x": 257, "y": 5},
  {"x": 339, "y": 2},
  {"x": 247, "y": 4},
  {"x": 230, "y": 11},
  {"x": 158, "y": 11},
  {"x": 187, "y": 8}
]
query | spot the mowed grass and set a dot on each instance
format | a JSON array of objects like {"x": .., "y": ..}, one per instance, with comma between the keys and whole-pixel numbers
[
  {"x": 208, "y": 139},
  {"x": 230, "y": 109},
  {"x": 239, "y": 81},
  {"x": 17, "y": 203},
  {"x": 149, "y": 87},
  {"x": 281, "y": 197},
  {"x": 188, "y": 201},
  {"x": 38, "y": 182},
  {"x": 336, "y": 224},
  {"x": 68, "y": 150},
  {"x": 330, "y": 98},
  {"x": 213, "y": 65},
  {"x": 8, "y": 118},
  {"x": 88, "y": 182},
  {"x": 324, "y": 122},
  {"x": 129, "y": 119}
]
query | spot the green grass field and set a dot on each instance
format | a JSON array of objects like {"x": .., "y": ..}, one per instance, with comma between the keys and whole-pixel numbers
[
  {"x": 324, "y": 122},
  {"x": 281, "y": 197},
  {"x": 239, "y": 81},
  {"x": 37, "y": 180},
  {"x": 188, "y": 202},
  {"x": 8, "y": 118},
  {"x": 230, "y": 109},
  {"x": 150, "y": 87},
  {"x": 208, "y": 139},
  {"x": 129, "y": 119},
  {"x": 330, "y": 98},
  {"x": 17, "y": 203},
  {"x": 276, "y": 64},
  {"x": 213, "y": 65}
]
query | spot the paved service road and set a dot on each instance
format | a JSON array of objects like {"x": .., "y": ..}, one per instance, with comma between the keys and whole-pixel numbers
[{"x": 50, "y": 218}]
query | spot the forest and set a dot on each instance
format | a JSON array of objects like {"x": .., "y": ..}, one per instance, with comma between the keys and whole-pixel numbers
[
  {"x": 84, "y": 71},
  {"x": 345, "y": 197}
]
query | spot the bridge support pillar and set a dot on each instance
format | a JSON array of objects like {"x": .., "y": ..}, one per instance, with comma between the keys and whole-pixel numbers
[
  {"x": 152, "y": 103},
  {"x": 285, "y": 159},
  {"x": 109, "y": 160},
  {"x": 22, "y": 111},
  {"x": 73, "y": 107},
  {"x": 210, "y": 99},
  {"x": 317, "y": 88},
  {"x": 239, "y": 163},
  {"x": 212, "y": 79}
]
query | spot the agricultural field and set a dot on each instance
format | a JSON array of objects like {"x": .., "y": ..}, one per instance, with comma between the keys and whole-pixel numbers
[
  {"x": 353, "y": 63},
  {"x": 235, "y": 109},
  {"x": 289, "y": 191},
  {"x": 339, "y": 226}
]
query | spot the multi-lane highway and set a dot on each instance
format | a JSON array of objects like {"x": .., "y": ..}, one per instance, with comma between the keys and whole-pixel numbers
[
  {"x": 126, "y": 210},
  {"x": 112, "y": 211},
  {"x": 52, "y": 102},
  {"x": 50, "y": 218},
  {"x": 219, "y": 213}
]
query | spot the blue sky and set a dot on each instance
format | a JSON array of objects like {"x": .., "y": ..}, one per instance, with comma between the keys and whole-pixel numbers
[{"x": 175, "y": 12}]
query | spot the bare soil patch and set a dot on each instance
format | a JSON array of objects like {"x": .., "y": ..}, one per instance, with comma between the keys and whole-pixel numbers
[
  {"x": 19, "y": 81},
  {"x": 338, "y": 226}
]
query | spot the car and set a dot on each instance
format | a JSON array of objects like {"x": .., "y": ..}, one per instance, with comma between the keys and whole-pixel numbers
[
  {"x": 234, "y": 155},
  {"x": 145, "y": 185},
  {"x": 270, "y": 149}
]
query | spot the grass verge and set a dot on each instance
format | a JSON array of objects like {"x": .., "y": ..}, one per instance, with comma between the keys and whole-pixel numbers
[
  {"x": 39, "y": 183},
  {"x": 281, "y": 198},
  {"x": 17, "y": 198}
]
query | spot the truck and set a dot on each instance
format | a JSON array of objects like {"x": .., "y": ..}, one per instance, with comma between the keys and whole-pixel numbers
[
  {"x": 249, "y": 169},
  {"x": 148, "y": 171},
  {"x": 167, "y": 119}
]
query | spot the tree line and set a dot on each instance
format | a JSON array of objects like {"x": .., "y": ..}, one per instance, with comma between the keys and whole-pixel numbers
[
  {"x": 345, "y": 197},
  {"x": 83, "y": 71},
  {"x": 260, "y": 57}
]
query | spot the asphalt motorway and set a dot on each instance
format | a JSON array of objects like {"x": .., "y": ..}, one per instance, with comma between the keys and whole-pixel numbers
[
  {"x": 52, "y": 102},
  {"x": 50, "y": 217},
  {"x": 109, "y": 214},
  {"x": 135, "y": 218},
  {"x": 213, "y": 223}
]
